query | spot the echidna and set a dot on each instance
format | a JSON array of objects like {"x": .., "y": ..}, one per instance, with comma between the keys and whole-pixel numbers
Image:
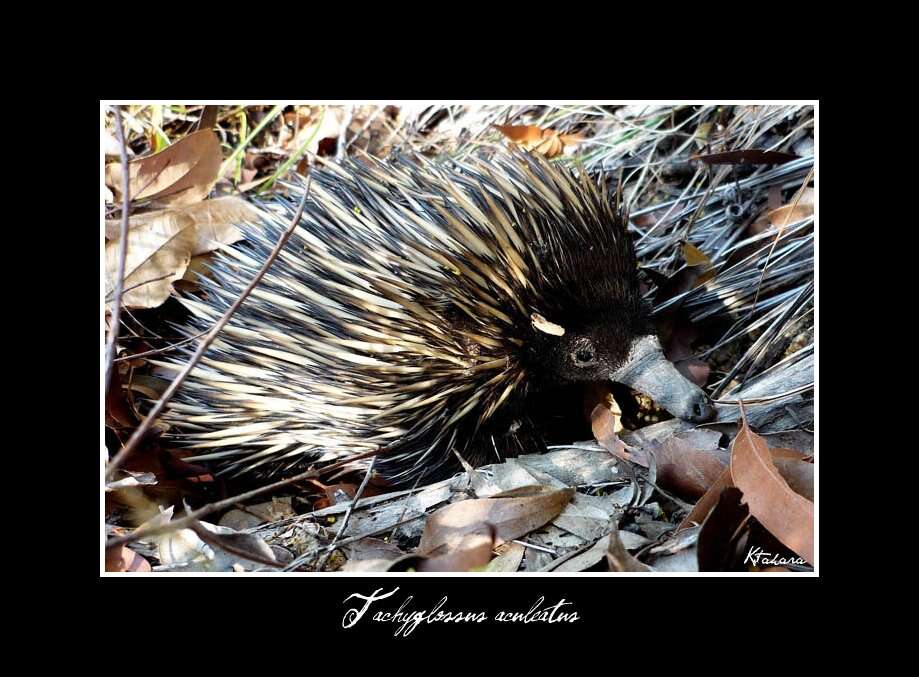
[{"x": 414, "y": 308}]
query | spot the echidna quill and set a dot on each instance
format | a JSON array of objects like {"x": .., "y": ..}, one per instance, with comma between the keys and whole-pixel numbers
[{"x": 414, "y": 309}]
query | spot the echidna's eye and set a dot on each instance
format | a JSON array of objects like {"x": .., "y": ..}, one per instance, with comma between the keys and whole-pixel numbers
[{"x": 584, "y": 357}]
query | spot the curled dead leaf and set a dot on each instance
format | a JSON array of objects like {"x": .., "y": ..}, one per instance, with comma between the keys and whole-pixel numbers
[
  {"x": 547, "y": 142},
  {"x": 695, "y": 256},
  {"x": 606, "y": 424},
  {"x": 798, "y": 209},
  {"x": 700, "y": 265}
]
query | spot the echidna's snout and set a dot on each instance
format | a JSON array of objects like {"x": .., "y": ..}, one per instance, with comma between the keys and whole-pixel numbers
[{"x": 648, "y": 371}]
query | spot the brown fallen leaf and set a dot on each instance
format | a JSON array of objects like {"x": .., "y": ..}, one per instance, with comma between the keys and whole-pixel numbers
[
  {"x": 215, "y": 220},
  {"x": 547, "y": 142},
  {"x": 606, "y": 423},
  {"x": 695, "y": 256},
  {"x": 522, "y": 134},
  {"x": 699, "y": 263},
  {"x": 716, "y": 547},
  {"x": 198, "y": 266},
  {"x": 678, "y": 334},
  {"x": 158, "y": 253},
  {"x": 124, "y": 559},
  {"x": 799, "y": 475},
  {"x": 118, "y": 411},
  {"x": 473, "y": 552},
  {"x": 511, "y": 516},
  {"x": 799, "y": 208},
  {"x": 780, "y": 509},
  {"x": 182, "y": 174},
  {"x": 371, "y": 549},
  {"x": 779, "y": 455},
  {"x": 685, "y": 470},
  {"x": 708, "y": 500},
  {"x": 620, "y": 559}
]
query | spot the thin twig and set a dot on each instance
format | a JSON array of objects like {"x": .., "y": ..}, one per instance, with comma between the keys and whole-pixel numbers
[
  {"x": 162, "y": 350},
  {"x": 134, "y": 441},
  {"x": 141, "y": 284},
  {"x": 344, "y": 524},
  {"x": 122, "y": 251}
]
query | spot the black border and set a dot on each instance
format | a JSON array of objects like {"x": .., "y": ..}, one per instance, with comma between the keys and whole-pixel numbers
[{"x": 315, "y": 605}]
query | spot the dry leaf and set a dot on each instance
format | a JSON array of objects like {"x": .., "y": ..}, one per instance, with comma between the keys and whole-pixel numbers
[
  {"x": 716, "y": 546},
  {"x": 605, "y": 424},
  {"x": 329, "y": 127},
  {"x": 110, "y": 145},
  {"x": 124, "y": 559},
  {"x": 780, "y": 509},
  {"x": 789, "y": 213},
  {"x": 695, "y": 256},
  {"x": 473, "y": 552},
  {"x": 158, "y": 253},
  {"x": 509, "y": 557},
  {"x": 619, "y": 558},
  {"x": 700, "y": 263},
  {"x": 780, "y": 456},
  {"x": 182, "y": 174},
  {"x": 371, "y": 554},
  {"x": 511, "y": 516},
  {"x": 522, "y": 134},
  {"x": 601, "y": 394},
  {"x": 798, "y": 474},
  {"x": 215, "y": 220},
  {"x": 685, "y": 470},
  {"x": 547, "y": 142},
  {"x": 705, "y": 504}
]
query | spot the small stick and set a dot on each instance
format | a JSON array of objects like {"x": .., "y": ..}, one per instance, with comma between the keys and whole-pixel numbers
[
  {"x": 161, "y": 350},
  {"x": 344, "y": 524},
  {"x": 150, "y": 281},
  {"x": 122, "y": 251}
]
